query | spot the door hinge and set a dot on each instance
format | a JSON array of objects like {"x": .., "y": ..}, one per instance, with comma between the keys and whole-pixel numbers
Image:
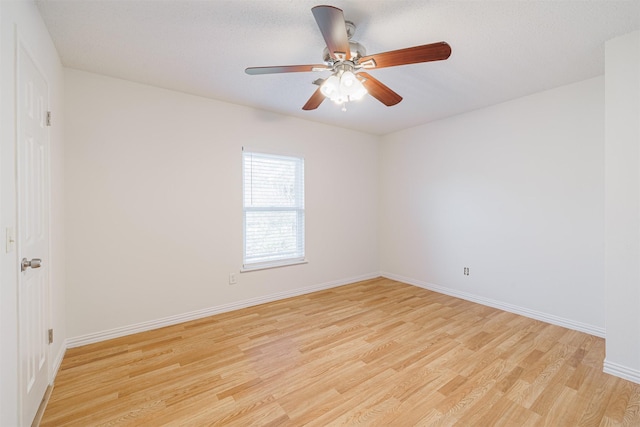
[
  {"x": 48, "y": 118},
  {"x": 50, "y": 336}
]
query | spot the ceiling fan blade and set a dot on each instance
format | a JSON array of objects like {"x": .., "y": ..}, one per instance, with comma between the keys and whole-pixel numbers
[
  {"x": 411, "y": 55},
  {"x": 332, "y": 26},
  {"x": 378, "y": 90},
  {"x": 286, "y": 69},
  {"x": 315, "y": 100}
]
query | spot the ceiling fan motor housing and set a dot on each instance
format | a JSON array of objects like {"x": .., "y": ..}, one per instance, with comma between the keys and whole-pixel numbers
[{"x": 357, "y": 52}]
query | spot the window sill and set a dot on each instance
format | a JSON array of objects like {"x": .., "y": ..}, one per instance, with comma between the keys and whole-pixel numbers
[{"x": 266, "y": 266}]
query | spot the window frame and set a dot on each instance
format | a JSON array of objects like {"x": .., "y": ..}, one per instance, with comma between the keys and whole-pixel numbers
[{"x": 299, "y": 257}]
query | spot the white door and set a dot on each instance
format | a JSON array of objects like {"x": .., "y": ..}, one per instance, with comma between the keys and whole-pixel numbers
[{"x": 33, "y": 234}]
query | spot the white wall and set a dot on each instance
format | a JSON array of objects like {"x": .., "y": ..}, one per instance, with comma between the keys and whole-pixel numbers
[
  {"x": 154, "y": 208},
  {"x": 515, "y": 193},
  {"x": 622, "y": 191},
  {"x": 21, "y": 18}
]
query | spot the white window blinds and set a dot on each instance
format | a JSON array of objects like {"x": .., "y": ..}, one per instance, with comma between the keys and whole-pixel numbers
[{"x": 273, "y": 210}]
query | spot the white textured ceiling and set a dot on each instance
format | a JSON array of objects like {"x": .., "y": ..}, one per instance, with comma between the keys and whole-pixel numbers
[{"x": 501, "y": 50}]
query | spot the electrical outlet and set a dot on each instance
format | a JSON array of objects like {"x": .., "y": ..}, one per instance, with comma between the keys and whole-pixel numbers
[
  {"x": 466, "y": 271},
  {"x": 232, "y": 278}
]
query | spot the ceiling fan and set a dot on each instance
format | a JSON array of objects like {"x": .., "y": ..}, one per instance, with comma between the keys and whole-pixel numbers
[{"x": 347, "y": 59}]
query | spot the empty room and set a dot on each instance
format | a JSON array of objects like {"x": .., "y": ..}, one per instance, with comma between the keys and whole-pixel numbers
[{"x": 276, "y": 212}]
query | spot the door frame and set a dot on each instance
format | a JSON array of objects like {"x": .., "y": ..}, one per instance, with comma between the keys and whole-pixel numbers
[{"x": 22, "y": 48}]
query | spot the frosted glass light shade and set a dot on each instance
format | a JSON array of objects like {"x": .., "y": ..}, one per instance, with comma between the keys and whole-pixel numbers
[{"x": 330, "y": 87}]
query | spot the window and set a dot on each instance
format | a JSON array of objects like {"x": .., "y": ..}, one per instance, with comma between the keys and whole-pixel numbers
[{"x": 273, "y": 210}]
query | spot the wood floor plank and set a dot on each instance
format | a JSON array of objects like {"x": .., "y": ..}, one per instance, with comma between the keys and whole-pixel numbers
[{"x": 374, "y": 353}]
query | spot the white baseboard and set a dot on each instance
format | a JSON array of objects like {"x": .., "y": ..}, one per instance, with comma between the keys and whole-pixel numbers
[
  {"x": 549, "y": 318},
  {"x": 198, "y": 314},
  {"x": 621, "y": 371},
  {"x": 57, "y": 361}
]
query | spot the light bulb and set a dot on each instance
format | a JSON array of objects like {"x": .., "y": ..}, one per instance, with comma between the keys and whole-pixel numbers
[
  {"x": 340, "y": 99},
  {"x": 330, "y": 86},
  {"x": 348, "y": 79},
  {"x": 357, "y": 91}
]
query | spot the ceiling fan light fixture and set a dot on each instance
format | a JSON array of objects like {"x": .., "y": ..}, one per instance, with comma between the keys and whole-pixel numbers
[{"x": 343, "y": 86}]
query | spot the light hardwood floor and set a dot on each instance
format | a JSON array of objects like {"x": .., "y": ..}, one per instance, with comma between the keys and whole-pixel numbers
[{"x": 377, "y": 352}]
